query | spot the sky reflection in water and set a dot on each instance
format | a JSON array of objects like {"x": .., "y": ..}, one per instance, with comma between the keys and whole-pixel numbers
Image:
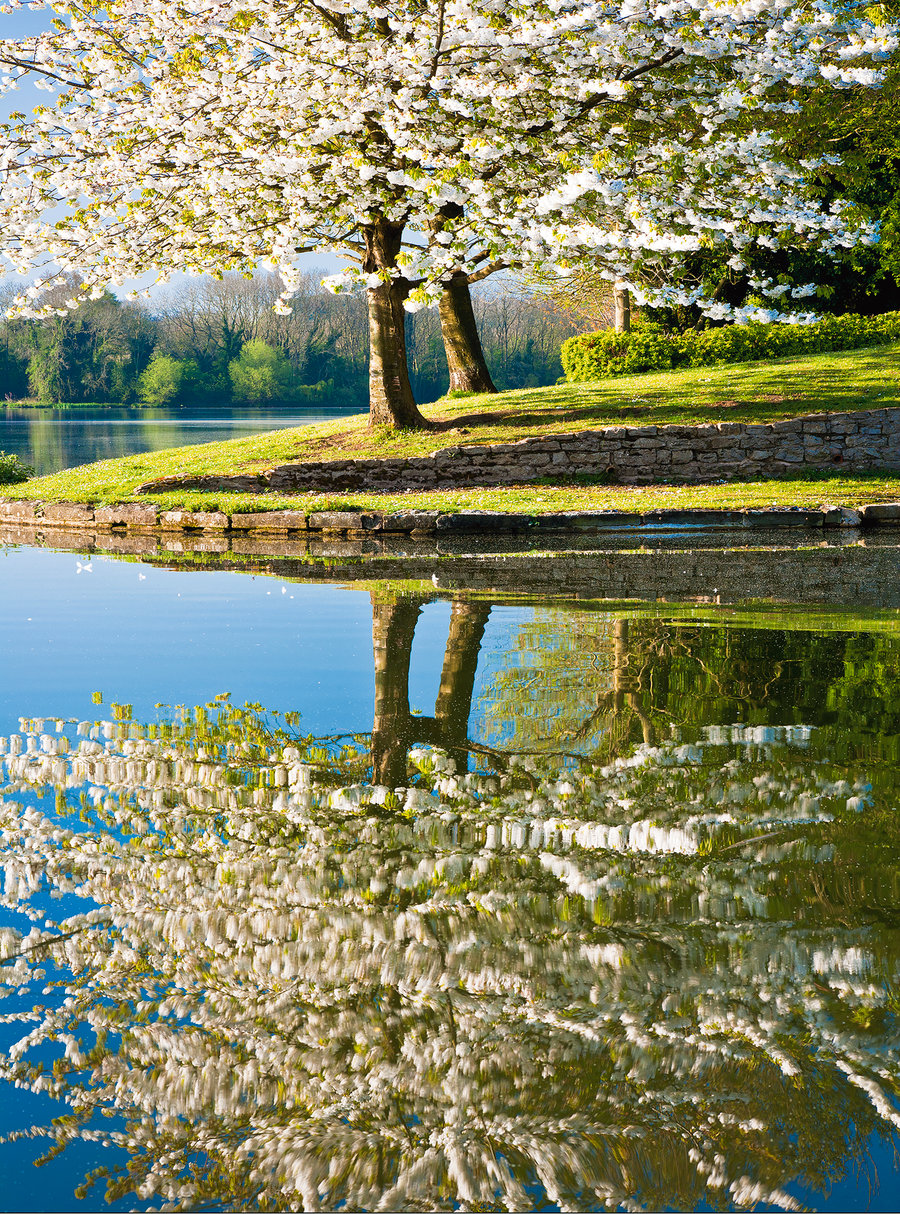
[{"x": 584, "y": 908}]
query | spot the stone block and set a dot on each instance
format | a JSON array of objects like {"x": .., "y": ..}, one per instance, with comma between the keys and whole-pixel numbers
[
  {"x": 17, "y": 511},
  {"x": 881, "y": 512},
  {"x": 194, "y": 520},
  {"x": 694, "y": 518},
  {"x": 405, "y": 521},
  {"x": 211, "y": 520},
  {"x": 646, "y": 444},
  {"x": 482, "y": 520},
  {"x": 343, "y": 520},
  {"x": 129, "y": 514},
  {"x": 588, "y": 520},
  {"x": 68, "y": 514},
  {"x": 270, "y": 520},
  {"x": 840, "y": 516}
]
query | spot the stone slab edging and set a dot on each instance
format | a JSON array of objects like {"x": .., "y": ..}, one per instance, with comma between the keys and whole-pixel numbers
[
  {"x": 865, "y": 438},
  {"x": 149, "y": 517}
]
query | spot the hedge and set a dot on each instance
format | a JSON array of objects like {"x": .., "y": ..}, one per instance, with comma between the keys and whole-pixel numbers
[{"x": 648, "y": 347}]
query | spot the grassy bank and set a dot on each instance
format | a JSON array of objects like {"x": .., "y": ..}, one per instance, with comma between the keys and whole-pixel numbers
[{"x": 845, "y": 381}]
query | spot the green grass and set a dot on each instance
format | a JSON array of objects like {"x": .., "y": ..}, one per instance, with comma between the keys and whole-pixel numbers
[
  {"x": 765, "y": 391},
  {"x": 811, "y": 490}
]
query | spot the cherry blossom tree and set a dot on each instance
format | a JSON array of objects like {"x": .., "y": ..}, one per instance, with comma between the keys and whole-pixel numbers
[{"x": 426, "y": 140}]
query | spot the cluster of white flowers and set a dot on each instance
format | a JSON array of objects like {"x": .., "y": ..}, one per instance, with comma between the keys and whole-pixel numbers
[{"x": 435, "y": 136}]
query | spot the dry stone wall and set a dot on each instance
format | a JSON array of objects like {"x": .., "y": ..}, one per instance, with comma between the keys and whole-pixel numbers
[{"x": 629, "y": 454}]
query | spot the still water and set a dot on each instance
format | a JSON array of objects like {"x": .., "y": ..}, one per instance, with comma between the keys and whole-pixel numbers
[
  {"x": 52, "y": 439},
  {"x": 381, "y": 896}
]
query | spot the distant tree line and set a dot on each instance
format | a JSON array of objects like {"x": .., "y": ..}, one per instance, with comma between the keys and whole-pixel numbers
[{"x": 210, "y": 341}]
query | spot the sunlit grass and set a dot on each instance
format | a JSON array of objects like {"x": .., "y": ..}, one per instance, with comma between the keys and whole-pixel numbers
[{"x": 811, "y": 490}]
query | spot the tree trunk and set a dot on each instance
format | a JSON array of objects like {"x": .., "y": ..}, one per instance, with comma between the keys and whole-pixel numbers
[
  {"x": 391, "y": 401},
  {"x": 622, "y": 304},
  {"x": 465, "y": 357},
  {"x": 393, "y": 628},
  {"x": 394, "y": 728},
  {"x": 453, "y": 706}
]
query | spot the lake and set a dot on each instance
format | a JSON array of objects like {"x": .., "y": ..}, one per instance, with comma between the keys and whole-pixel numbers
[
  {"x": 329, "y": 888},
  {"x": 52, "y": 439}
]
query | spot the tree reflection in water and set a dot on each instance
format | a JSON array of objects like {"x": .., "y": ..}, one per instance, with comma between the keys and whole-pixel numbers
[{"x": 364, "y": 972}]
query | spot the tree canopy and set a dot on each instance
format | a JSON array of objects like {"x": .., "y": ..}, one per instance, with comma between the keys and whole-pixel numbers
[{"x": 425, "y": 139}]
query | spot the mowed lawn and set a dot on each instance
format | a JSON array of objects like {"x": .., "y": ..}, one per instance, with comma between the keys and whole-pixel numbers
[{"x": 762, "y": 391}]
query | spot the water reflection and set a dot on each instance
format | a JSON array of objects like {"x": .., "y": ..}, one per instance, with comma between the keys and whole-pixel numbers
[{"x": 641, "y": 957}]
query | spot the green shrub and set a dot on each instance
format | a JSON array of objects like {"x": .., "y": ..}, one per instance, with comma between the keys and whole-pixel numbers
[
  {"x": 260, "y": 374},
  {"x": 166, "y": 379},
  {"x": 592, "y": 356},
  {"x": 12, "y": 470},
  {"x": 597, "y": 355}
]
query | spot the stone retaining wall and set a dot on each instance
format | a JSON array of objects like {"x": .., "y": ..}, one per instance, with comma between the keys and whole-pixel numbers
[{"x": 628, "y": 454}]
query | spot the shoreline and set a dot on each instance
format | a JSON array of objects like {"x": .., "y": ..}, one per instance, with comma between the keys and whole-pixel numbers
[{"x": 151, "y": 518}]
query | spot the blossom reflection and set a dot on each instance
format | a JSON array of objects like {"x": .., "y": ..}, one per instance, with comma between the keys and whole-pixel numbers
[{"x": 659, "y": 980}]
